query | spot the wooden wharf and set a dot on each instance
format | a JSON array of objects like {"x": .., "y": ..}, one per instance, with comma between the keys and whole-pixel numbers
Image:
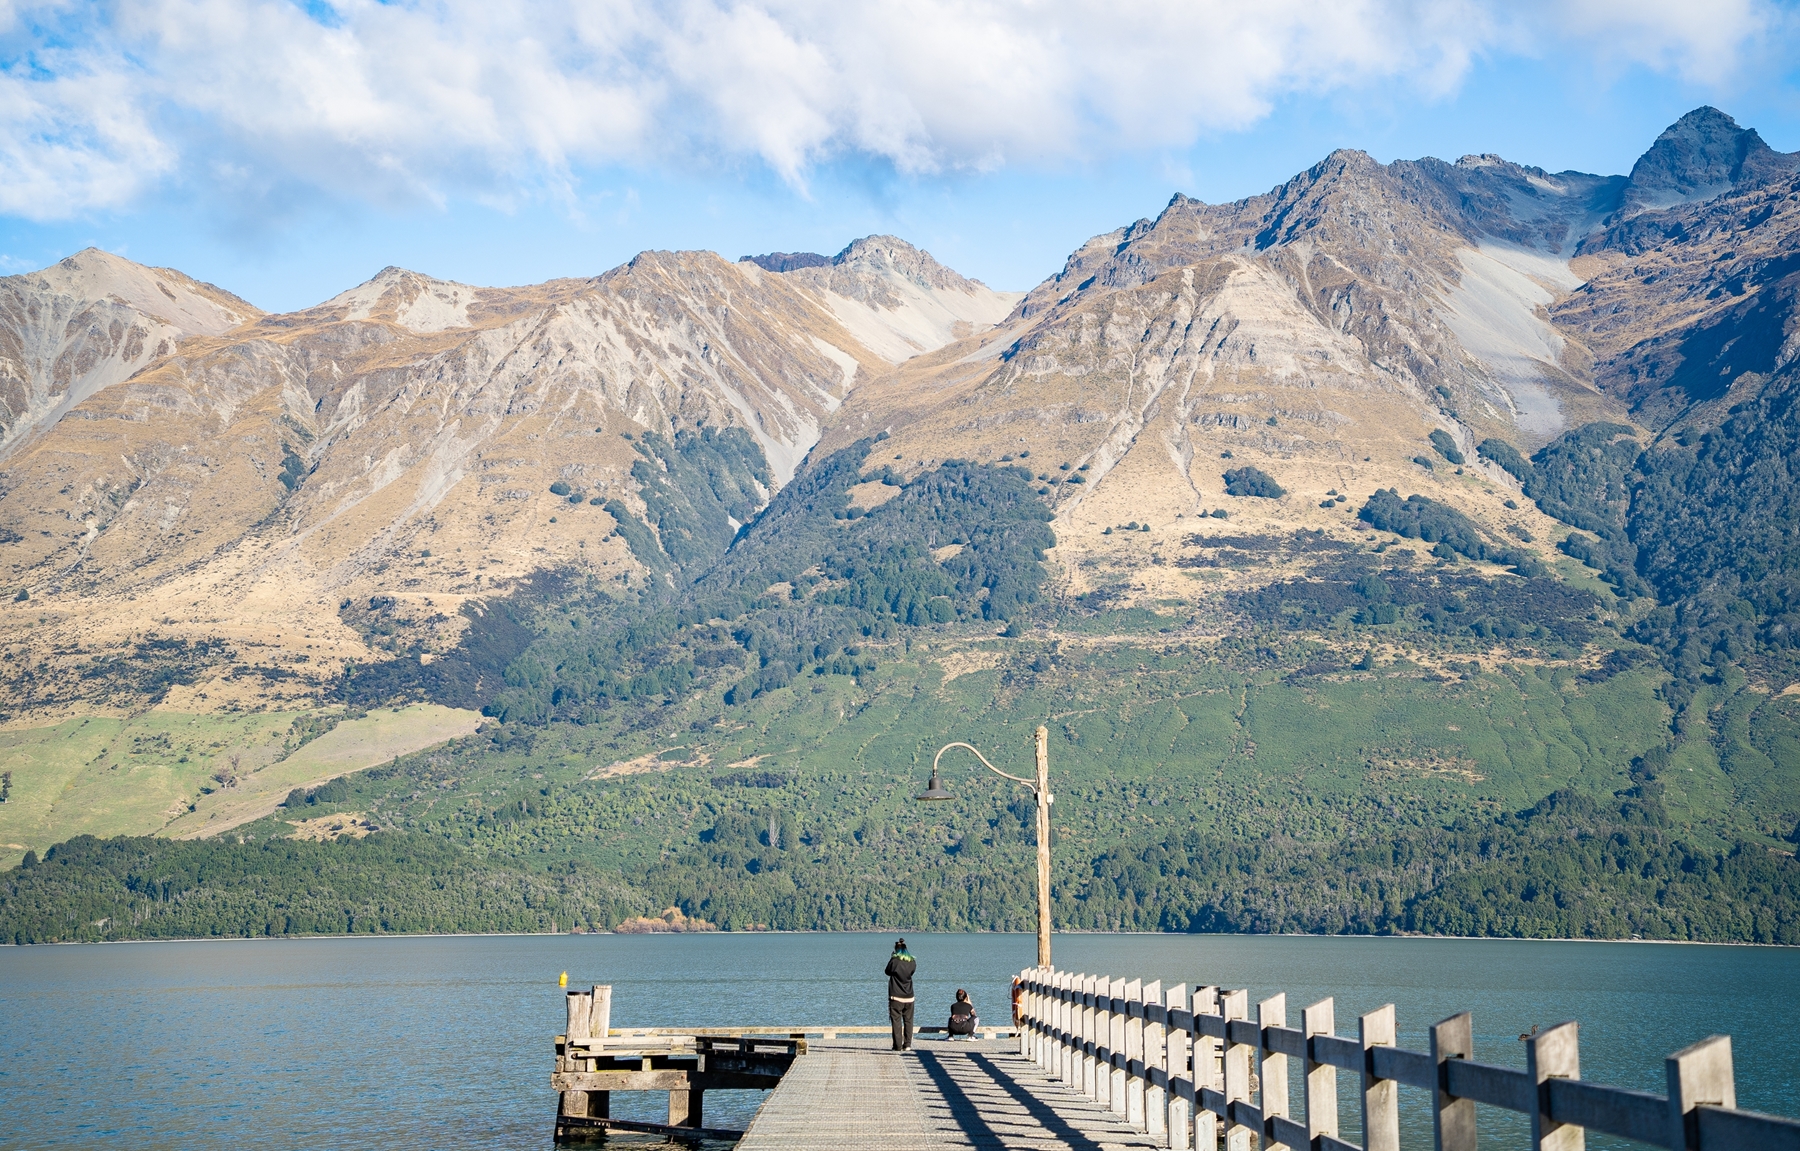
[{"x": 1099, "y": 1063}]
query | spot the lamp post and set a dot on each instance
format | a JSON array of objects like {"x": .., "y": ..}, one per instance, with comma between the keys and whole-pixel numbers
[{"x": 935, "y": 790}]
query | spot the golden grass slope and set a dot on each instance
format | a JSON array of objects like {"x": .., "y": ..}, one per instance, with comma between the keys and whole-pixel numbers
[
  {"x": 154, "y": 773},
  {"x": 400, "y": 441}
]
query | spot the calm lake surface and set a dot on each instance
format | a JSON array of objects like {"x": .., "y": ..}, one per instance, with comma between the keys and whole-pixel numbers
[{"x": 445, "y": 1042}]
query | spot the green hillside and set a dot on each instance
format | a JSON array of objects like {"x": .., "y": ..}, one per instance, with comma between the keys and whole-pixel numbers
[{"x": 1380, "y": 740}]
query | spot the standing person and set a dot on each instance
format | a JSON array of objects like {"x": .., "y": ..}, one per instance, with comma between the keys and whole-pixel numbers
[{"x": 900, "y": 968}]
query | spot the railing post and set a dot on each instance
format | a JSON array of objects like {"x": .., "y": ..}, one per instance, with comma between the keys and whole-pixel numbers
[
  {"x": 1553, "y": 1054},
  {"x": 1102, "y": 1031},
  {"x": 1115, "y": 1092},
  {"x": 1025, "y": 1008},
  {"x": 1272, "y": 1070},
  {"x": 1177, "y": 1060},
  {"x": 1381, "y": 1097},
  {"x": 1061, "y": 1048},
  {"x": 1453, "y": 1119},
  {"x": 1206, "y": 1069},
  {"x": 1090, "y": 1036},
  {"x": 1698, "y": 1075},
  {"x": 1045, "y": 975},
  {"x": 580, "y": 1011},
  {"x": 1237, "y": 1071},
  {"x": 581, "y": 1006},
  {"x": 1134, "y": 1054},
  {"x": 1156, "y": 1099},
  {"x": 1072, "y": 1052},
  {"x": 600, "y": 1013},
  {"x": 1320, "y": 1092}
]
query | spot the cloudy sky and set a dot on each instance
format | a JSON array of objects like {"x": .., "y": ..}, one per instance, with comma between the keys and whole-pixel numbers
[{"x": 286, "y": 149}]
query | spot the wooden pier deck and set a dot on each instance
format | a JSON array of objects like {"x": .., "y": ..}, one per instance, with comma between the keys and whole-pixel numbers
[
  {"x": 939, "y": 1096},
  {"x": 1100, "y": 1063}
]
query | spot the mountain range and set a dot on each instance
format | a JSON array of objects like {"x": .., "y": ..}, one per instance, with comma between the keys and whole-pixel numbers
[{"x": 1411, "y": 441}]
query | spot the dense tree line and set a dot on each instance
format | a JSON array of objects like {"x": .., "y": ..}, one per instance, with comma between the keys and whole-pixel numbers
[
  {"x": 150, "y": 888},
  {"x": 1571, "y": 866}
]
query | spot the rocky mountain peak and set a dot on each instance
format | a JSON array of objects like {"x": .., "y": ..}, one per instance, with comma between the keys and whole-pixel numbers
[
  {"x": 1697, "y": 157},
  {"x": 92, "y": 275},
  {"x": 417, "y": 302},
  {"x": 892, "y": 255}
]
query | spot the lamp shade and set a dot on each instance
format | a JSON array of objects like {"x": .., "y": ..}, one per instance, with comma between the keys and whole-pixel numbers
[{"x": 934, "y": 789}]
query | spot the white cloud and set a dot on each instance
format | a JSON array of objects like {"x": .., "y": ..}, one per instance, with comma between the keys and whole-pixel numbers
[{"x": 417, "y": 99}]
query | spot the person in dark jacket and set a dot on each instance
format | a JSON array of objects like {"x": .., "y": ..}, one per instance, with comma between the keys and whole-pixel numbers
[
  {"x": 900, "y": 968},
  {"x": 963, "y": 1020}
]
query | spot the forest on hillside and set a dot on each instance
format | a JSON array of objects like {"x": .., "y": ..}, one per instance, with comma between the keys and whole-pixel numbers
[{"x": 1619, "y": 774}]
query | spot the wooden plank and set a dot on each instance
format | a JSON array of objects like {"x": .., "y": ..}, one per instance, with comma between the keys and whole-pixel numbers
[
  {"x": 1134, "y": 1054},
  {"x": 620, "y": 1080},
  {"x": 1453, "y": 1117},
  {"x": 1284, "y": 1132},
  {"x": 1271, "y": 1015},
  {"x": 1091, "y": 1020},
  {"x": 580, "y": 1005},
  {"x": 1320, "y": 1095},
  {"x": 1718, "y": 1129},
  {"x": 1238, "y": 1136},
  {"x": 1381, "y": 1097},
  {"x": 786, "y": 1032},
  {"x": 1179, "y": 1063},
  {"x": 1284, "y": 1041},
  {"x": 1413, "y": 1068},
  {"x": 662, "y": 1080},
  {"x": 1628, "y": 1114},
  {"x": 938, "y": 1097},
  {"x": 1206, "y": 1065},
  {"x": 1115, "y": 1043},
  {"x": 1156, "y": 1053},
  {"x": 684, "y": 1108},
  {"x": 1698, "y": 1075},
  {"x": 1338, "y": 1051},
  {"x": 1553, "y": 1053},
  {"x": 600, "y": 1009},
  {"x": 1495, "y": 1086},
  {"x": 602, "y": 1123}
]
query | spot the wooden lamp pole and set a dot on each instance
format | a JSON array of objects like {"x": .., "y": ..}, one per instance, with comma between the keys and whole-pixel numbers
[{"x": 934, "y": 790}]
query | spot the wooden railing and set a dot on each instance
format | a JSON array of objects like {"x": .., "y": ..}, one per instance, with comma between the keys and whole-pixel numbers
[{"x": 1179, "y": 1065}]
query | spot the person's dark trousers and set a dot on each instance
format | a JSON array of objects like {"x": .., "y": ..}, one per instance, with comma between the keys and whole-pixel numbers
[{"x": 901, "y": 1016}]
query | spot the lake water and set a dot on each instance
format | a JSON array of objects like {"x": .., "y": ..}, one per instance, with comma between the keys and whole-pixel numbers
[{"x": 445, "y": 1042}]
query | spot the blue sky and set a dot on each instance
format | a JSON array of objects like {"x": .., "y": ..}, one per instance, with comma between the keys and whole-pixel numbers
[{"x": 286, "y": 152}]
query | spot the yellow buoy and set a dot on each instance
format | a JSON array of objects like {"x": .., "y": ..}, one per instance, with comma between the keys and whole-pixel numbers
[{"x": 563, "y": 980}]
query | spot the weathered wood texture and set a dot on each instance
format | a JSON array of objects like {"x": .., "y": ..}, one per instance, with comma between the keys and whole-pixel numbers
[
  {"x": 938, "y": 1097},
  {"x": 590, "y": 1068},
  {"x": 1129, "y": 1048}
]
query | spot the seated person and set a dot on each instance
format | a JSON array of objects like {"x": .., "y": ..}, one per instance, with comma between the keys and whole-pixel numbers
[{"x": 963, "y": 1020}]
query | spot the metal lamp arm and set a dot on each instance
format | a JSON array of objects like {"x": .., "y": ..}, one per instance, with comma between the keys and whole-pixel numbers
[{"x": 1016, "y": 779}]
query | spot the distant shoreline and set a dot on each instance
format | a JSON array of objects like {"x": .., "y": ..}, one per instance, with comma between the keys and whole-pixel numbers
[{"x": 886, "y": 931}]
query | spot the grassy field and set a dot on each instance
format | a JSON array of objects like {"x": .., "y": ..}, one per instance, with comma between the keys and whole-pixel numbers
[
  {"x": 353, "y": 745},
  {"x": 139, "y": 776},
  {"x": 1145, "y": 739}
]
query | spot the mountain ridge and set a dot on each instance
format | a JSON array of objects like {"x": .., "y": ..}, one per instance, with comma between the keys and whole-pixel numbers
[{"x": 1372, "y": 435}]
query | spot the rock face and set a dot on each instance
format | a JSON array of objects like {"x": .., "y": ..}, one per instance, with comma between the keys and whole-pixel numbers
[
  {"x": 1700, "y": 156},
  {"x": 220, "y": 472},
  {"x": 91, "y": 321},
  {"x": 1328, "y": 331},
  {"x": 175, "y": 461}
]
